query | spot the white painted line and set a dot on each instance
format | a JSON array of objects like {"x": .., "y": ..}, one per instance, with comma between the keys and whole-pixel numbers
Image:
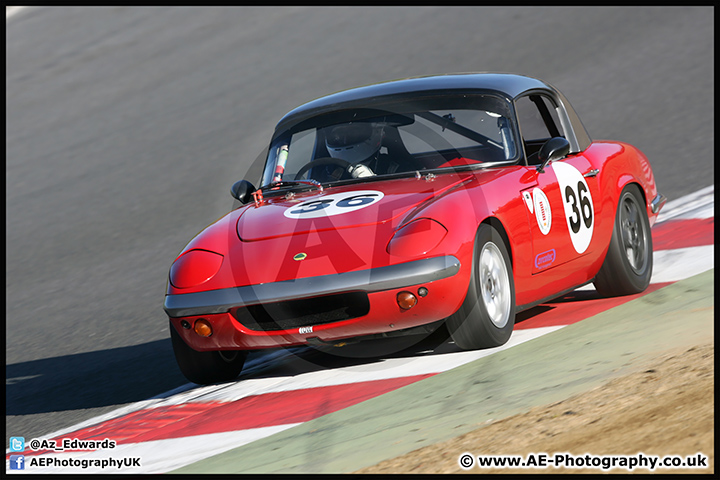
[
  {"x": 700, "y": 204},
  {"x": 165, "y": 455},
  {"x": 678, "y": 264},
  {"x": 681, "y": 263}
]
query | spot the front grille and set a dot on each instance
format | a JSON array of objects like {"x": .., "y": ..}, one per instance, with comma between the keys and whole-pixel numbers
[{"x": 304, "y": 312}]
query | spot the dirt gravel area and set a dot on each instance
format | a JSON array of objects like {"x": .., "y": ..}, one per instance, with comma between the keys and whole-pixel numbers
[{"x": 664, "y": 407}]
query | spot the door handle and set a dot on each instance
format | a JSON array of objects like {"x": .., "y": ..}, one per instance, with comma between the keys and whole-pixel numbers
[{"x": 592, "y": 173}]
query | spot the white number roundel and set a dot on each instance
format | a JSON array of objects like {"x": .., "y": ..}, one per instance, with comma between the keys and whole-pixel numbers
[
  {"x": 578, "y": 203},
  {"x": 335, "y": 204}
]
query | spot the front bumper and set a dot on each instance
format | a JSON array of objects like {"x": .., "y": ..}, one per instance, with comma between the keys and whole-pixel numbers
[
  {"x": 446, "y": 287},
  {"x": 371, "y": 280}
]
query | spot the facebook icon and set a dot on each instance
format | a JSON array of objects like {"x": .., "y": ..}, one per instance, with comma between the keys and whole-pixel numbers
[{"x": 17, "y": 462}]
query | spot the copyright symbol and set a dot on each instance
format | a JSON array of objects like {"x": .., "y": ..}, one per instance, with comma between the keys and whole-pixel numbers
[
  {"x": 34, "y": 444},
  {"x": 466, "y": 461}
]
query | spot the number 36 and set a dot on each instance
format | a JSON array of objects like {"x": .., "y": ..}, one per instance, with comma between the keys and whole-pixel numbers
[{"x": 334, "y": 204}]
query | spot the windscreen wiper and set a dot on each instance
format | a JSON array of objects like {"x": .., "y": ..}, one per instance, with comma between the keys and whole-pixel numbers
[
  {"x": 258, "y": 194},
  {"x": 292, "y": 183}
]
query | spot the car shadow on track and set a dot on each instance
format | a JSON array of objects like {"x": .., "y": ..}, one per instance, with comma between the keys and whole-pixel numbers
[{"x": 94, "y": 379}]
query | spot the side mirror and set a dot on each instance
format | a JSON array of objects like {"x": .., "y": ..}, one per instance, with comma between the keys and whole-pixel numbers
[
  {"x": 554, "y": 149},
  {"x": 242, "y": 191}
]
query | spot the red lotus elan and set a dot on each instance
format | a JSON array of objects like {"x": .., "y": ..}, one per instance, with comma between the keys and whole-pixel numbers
[{"x": 393, "y": 208}]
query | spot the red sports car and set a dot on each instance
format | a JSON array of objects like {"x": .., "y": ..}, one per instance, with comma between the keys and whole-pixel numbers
[{"x": 393, "y": 208}]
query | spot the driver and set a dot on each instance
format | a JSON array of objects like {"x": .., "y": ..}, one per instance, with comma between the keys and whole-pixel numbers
[{"x": 356, "y": 143}]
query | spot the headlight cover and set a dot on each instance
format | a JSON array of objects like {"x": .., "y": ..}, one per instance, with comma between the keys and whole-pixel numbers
[
  {"x": 416, "y": 238},
  {"x": 194, "y": 267}
]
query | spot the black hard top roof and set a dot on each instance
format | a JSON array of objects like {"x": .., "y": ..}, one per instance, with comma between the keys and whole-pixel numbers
[{"x": 509, "y": 85}]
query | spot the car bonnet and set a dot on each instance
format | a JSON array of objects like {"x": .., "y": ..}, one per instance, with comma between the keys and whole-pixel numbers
[{"x": 343, "y": 207}]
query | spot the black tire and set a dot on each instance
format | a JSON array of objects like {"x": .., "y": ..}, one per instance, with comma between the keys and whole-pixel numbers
[
  {"x": 628, "y": 265},
  {"x": 487, "y": 316},
  {"x": 205, "y": 368}
]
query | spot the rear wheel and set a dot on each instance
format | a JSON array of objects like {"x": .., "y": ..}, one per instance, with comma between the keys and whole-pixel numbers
[
  {"x": 205, "y": 368},
  {"x": 628, "y": 265},
  {"x": 487, "y": 316}
]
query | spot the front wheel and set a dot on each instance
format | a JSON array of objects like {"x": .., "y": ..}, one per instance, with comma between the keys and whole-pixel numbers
[
  {"x": 487, "y": 316},
  {"x": 628, "y": 265},
  {"x": 205, "y": 368}
]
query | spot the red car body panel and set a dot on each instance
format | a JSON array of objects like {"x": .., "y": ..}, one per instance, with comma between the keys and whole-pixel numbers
[
  {"x": 557, "y": 225},
  {"x": 459, "y": 202}
]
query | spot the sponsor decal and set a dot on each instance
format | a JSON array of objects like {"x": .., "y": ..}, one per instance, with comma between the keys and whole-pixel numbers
[
  {"x": 578, "y": 203},
  {"x": 335, "y": 204},
  {"x": 305, "y": 330},
  {"x": 545, "y": 259},
  {"x": 543, "y": 214},
  {"x": 528, "y": 200}
]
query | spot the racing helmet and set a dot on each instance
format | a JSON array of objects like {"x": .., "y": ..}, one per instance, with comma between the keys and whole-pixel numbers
[{"x": 353, "y": 142}]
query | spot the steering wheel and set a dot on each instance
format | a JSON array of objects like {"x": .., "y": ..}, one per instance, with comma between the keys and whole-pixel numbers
[{"x": 325, "y": 161}]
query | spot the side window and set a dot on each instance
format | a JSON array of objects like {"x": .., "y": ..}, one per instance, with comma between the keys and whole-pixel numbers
[
  {"x": 481, "y": 136},
  {"x": 538, "y": 121}
]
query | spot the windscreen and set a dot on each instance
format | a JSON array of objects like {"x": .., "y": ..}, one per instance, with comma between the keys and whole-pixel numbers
[{"x": 434, "y": 133}]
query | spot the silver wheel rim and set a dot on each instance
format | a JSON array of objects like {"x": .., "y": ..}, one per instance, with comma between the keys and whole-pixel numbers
[
  {"x": 494, "y": 285},
  {"x": 634, "y": 237}
]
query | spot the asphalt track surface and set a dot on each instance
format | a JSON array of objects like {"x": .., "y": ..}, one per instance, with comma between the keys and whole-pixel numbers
[{"x": 125, "y": 128}]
